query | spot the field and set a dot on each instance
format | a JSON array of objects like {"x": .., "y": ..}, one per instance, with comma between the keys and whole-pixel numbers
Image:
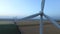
[
  {"x": 8, "y": 29},
  {"x": 28, "y": 27}
]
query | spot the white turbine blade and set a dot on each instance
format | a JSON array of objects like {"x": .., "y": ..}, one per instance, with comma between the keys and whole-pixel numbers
[
  {"x": 52, "y": 21},
  {"x": 30, "y": 16},
  {"x": 42, "y": 5}
]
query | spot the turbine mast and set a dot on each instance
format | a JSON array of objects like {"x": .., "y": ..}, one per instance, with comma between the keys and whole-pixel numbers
[{"x": 41, "y": 12}]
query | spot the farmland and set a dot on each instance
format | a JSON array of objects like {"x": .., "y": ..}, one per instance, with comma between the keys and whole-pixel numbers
[{"x": 32, "y": 27}]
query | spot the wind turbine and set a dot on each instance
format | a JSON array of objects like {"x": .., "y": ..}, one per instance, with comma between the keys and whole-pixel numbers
[
  {"x": 41, "y": 13},
  {"x": 17, "y": 27}
]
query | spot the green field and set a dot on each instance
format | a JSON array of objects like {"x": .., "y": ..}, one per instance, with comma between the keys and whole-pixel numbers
[{"x": 8, "y": 29}]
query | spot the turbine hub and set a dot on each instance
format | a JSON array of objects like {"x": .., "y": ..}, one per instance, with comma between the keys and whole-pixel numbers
[{"x": 41, "y": 13}]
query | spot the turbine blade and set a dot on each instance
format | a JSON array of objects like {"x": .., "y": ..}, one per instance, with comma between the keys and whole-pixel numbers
[
  {"x": 52, "y": 21},
  {"x": 30, "y": 16},
  {"x": 42, "y": 5}
]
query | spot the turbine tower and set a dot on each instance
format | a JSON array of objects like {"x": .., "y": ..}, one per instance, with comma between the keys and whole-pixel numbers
[
  {"x": 17, "y": 27},
  {"x": 41, "y": 13}
]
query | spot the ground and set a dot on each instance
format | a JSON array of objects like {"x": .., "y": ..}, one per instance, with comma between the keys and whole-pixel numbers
[{"x": 30, "y": 27}]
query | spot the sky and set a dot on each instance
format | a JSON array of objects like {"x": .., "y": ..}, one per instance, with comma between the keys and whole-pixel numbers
[{"x": 23, "y": 8}]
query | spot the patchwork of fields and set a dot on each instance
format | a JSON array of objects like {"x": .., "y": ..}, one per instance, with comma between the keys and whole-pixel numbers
[{"x": 32, "y": 27}]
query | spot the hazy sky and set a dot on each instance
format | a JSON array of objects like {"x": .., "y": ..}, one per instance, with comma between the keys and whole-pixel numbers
[{"x": 28, "y": 7}]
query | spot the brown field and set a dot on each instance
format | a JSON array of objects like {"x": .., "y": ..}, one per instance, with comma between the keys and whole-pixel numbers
[{"x": 32, "y": 27}]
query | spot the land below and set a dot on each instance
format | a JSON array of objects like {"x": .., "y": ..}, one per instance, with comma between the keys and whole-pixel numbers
[{"x": 33, "y": 26}]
